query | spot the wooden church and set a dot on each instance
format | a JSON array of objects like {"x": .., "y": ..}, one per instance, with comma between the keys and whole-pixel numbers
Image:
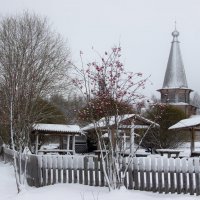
[{"x": 175, "y": 89}]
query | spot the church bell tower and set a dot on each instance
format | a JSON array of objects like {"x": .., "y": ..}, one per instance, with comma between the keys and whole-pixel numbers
[{"x": 175, "y": 89}]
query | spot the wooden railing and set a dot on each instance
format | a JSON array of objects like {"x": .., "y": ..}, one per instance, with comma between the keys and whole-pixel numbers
[{"x": 163, "y": 175}]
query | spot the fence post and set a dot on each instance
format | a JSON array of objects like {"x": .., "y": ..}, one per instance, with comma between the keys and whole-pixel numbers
[
  {"x": 166, "y": 178},
  {"x": 86, "y": 171},
  {"x": 141, "y": 169},
  {"x": 147, "y": 170},
  {"x": 49, "y": 168},
  {"x": 160, "y": 170},
  {"x": 81, "y": 166},
  {"x": 172, "y": 171},
  {"x": 154, "y": 169},
  {"x": 70, "y": 166},
  {"x": 197, "y": 174},
  {"x": 75, "y": 167},
  {"x": 59, "y": 167},
  {"x": 191, "y": 180},
  {"x": 178, "y": 175},
  {"x": 96, "y": 168},
  {"x": 184, "y": 169},
  {"x": 102, "y": 172},
  {"x": 135, "y": 172},
  {"x": 65, "y": 164},
  {"x": 130, "y": 174}
]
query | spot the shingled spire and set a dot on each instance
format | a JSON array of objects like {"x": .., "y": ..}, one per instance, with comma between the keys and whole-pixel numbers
[
  {"x": 175, "y": 73},
  {"x": 175, "y": 89}
]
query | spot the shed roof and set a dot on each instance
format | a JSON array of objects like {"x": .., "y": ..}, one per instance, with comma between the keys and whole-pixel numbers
[
  {"x": 113, "y": 119},
  {"x": 57, "y": 128},
  {"x": 193, "y": 121}
]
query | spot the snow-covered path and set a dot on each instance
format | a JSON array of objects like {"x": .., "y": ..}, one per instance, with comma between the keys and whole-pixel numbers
[{"x": 8, "y": 191}]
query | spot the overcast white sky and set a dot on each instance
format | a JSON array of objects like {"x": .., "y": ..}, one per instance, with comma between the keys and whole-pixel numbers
[{"x": 143, "y": 27}]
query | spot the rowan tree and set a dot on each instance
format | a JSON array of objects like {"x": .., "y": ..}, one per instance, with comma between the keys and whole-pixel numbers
[{"x": 109, "y": 90}]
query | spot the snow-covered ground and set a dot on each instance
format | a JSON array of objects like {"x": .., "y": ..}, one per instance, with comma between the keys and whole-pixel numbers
[{"x": 8, "y": 191}]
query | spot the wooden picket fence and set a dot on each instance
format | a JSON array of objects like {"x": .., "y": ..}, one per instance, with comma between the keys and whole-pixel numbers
[{"x": 163, "y": 175}]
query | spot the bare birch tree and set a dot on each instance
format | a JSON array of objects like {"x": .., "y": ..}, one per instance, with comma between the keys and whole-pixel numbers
[{"x": 33, "y": 62}]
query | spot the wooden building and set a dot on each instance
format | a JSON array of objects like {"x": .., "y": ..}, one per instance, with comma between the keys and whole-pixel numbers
[
  {"x": 57, "y": 138},
  {"x": 126, "y": 126},
  {"x": 175, "y": 89}
]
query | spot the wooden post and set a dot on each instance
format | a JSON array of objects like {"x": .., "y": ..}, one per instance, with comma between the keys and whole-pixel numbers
[
  {"x": 132, "y": 139},
  {"x": 61, "y": 142},
  {"x": 73, "y": 144},
  {"x": 68, "y": 139},
  {"x": 192, "y": 140},
  {"x": 36, "y": 144}
]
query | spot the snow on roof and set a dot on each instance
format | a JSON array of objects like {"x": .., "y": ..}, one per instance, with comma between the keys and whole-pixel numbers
[
  {"x": 113, "y": 119},
  {"x": 193, "y": 121},
  {"x": 179, "y": 103},
  {"x": 57, "y": 128}
]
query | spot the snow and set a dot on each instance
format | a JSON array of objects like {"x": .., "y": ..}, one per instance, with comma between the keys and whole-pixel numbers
[
  {"x": 57, "y": 128},
  {"x": 112, "y": 120},
  {"x": 194, "y": 120},
  {"x": 8, "y": 191}
]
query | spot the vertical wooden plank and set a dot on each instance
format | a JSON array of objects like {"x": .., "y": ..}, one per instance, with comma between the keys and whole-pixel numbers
[
  {"x": 141, "y": 170},
  {"x": 85, "y": 171},
  {"x": 178, "y": 175},
  {"x": 166, "y": 177},
  {"x": 135, "y": 173},
  {"x": 39, "y": 161},
  {"x": 44, "y": 167},
  {"x": 184, "y": 168},
  {"x": 60, "y": 167},
  {"x": 172, "y": 178},
  {"x": 65, "y": 166},
  {"x": 49, "y": 168},
  {"x": 154, "y": 179},
  {"x": 160, "y": 170},
  {"x": 35, "y": 172},
  {"x": 147, "y": 170},
  {"x": 101, "y": 173},
  {"x": 54, "y": 168},
  {"x": 80, "y": 167},
  {"x": 130, "y": 175},
  {"x": 29, "y": 175},
  {"x": 96, "y": 171},
  {"x": 191, "y": 180},
  {"x": 75, "y": 167},
  {"x": 70, "y": 167},
  {"x": 197, "y": 174},
  {"x": 123, "y": 171},
  {"x": 91, "y": 169}
]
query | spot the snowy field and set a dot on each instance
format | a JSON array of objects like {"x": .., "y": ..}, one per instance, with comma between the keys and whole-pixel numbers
[{"x": 8, "y": 191}]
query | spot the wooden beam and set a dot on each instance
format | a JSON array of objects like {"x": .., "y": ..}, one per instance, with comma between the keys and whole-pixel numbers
[
  {"x": 68, "y": 139},
  {"x": 36, "y": 144},
  {"x": 73, "y": 143},
  {"x": 192, "y": 140},
  {"x": 132, "y": 138}
]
